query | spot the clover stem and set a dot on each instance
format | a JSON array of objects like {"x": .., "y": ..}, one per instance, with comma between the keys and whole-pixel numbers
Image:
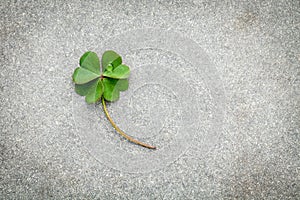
[{"x": 131, "y": 139}]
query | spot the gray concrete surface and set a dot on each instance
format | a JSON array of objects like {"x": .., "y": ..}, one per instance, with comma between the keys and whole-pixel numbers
[{"x": 215, "y": 85}]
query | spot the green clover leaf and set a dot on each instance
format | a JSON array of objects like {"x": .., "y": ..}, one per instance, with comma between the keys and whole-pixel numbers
[
  {"x": 119, "y": 72},
  {"x": 89, "y": 68},
  {"x": 110, "y": 58},
  {"x": 89, "y": 60},
  {"x": 82, "y": 75},
  {"x": 91, "y": 83},
  {"x": 92, "y": 90},
  {"x": 113, "y": 88}
]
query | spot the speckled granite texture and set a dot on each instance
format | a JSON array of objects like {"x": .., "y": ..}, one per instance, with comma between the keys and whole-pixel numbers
[{"x": 215, "y": 85}]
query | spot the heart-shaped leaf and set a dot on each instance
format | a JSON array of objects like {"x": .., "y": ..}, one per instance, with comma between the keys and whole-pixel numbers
[
  {"x": 119, "y": 72},
  {"x": 92, "y": 90},
  {"x": 95, "y": 92},
  {"x": 110, "y": 58},
  {"x": 89, "y": 68},
  {"x": 112, "y": 88},
  {"x": 90, "y": 61},
  {"x": 83, "y": 89},
  {"x": 82, "y": 75}
]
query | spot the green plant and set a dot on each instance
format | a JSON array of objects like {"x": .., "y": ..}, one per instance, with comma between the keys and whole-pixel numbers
[{"x": 106, "y": 84}]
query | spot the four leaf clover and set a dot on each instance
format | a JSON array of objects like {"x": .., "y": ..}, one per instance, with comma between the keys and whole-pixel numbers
[
  {"x": 94, "y": 83},
  {"x": 91, "y": 83}
]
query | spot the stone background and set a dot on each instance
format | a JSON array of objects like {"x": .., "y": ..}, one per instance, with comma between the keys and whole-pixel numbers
[{"x": 254, "y": 52}]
